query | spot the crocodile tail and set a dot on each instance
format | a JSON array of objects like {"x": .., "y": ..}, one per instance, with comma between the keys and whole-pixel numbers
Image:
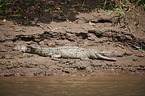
[{"x": 106, "y": 58}]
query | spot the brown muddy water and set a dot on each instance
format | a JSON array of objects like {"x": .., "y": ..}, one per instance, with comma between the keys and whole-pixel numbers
[{"x": 109, "y": 85}]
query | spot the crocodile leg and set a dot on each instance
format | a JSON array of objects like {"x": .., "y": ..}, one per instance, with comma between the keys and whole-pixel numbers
[{"x": 56, "y": 56}]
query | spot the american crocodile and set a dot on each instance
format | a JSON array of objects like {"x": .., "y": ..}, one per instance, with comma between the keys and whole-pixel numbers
[{"x": 63, "y": 52}]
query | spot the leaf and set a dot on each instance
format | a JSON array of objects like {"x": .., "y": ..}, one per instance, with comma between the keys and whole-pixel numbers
[
  {"x": 110, "y": 12},
  {"x": 4, "y": 4},
  {"x": 4, "y": 20},
  {"x": 1, "y": 5},
  {"x": 122, "y": 13},
  {"x": 16, "y": 15},
  {"x": 116, "y": 5}
]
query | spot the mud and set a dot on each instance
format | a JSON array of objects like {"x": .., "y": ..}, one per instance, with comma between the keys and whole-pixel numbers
[{"x": 97, "y": 31}]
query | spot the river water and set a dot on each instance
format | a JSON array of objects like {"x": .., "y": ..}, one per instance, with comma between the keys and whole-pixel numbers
[{"x": 107, "y": 85}]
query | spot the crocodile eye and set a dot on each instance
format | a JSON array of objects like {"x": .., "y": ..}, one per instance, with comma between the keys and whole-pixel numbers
[{"x": 28, "y": 50}]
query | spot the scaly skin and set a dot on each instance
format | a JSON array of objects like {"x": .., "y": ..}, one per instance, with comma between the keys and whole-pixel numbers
[{"x": 64, "y": 52}]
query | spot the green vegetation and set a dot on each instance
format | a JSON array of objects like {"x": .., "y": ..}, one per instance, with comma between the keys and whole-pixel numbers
[
  {"x": 2, "y": 5},
  {"x": 118, "y": 10},
  {"x": 119, "y": 7}
]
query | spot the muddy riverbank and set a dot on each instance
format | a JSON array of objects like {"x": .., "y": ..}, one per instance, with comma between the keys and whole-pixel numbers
[{"x": 97, "y": 31}]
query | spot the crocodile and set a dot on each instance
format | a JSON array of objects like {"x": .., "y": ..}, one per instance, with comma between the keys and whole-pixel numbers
[{"x": 72, "y": 52}]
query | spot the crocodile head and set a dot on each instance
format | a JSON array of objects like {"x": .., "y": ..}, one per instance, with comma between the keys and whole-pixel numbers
[{"x": 22, "y": 48}]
